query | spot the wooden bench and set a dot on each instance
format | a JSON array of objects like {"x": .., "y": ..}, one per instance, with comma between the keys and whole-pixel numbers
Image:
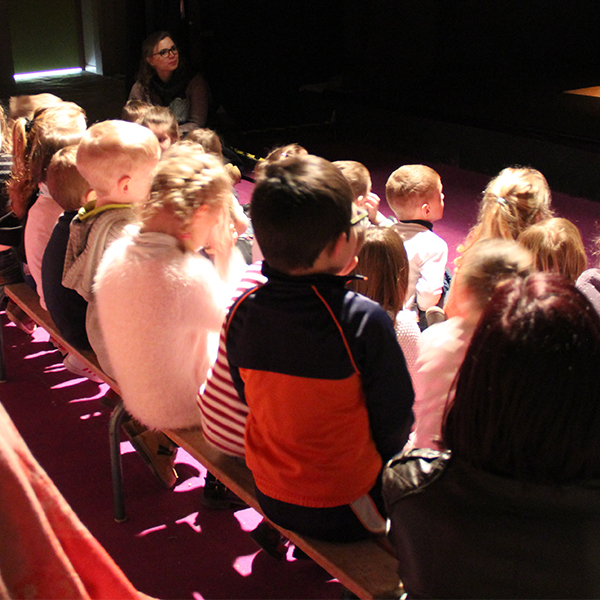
[
  {"x": 367, "y": 568},
  {"x": 27, "y": 299}
]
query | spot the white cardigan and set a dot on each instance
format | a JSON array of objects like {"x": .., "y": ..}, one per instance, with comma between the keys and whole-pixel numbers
[{"x": 157, "y": 307}]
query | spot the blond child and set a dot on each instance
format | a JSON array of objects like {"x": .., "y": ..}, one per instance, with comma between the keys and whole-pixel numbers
[
  {"x": 443, "y": 346},
  {"x": 359, "y": 178},
  {"x": 414, "y": 193},
  {"x": 117, "y": 159},
  {"x": 159, "y": 300},
  {"x": 556, "y": 246},
  {"x": 515, "y": 199}
]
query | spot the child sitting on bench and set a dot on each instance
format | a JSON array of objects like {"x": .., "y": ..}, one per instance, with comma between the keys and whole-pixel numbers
[{"x": 319, "y": 366}]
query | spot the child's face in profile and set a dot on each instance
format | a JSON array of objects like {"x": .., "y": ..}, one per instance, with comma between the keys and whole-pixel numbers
[
  {"x": 162, "y": 135},
  {"x": 436, "y": 205}
]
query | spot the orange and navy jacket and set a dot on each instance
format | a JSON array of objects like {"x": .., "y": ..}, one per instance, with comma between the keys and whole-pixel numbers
[{"x": 329, "y": 395}]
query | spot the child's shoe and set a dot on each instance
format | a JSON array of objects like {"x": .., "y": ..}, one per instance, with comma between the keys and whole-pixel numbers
[
  {"x": 269, "y": 539},
  {"x": 156, "y": 449},
  {"x": 75, "y": 366},
  {"x": 217, "y": 496},
  {"x": 20, "y": 318}
]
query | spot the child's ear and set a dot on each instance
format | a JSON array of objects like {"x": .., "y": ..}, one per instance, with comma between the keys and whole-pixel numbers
[
  {"x": 123, "y": 184},
  {"x": 426, "y": 210},
  {"x": 350, "y": 266},
  {"x": 90, "y": 196}
]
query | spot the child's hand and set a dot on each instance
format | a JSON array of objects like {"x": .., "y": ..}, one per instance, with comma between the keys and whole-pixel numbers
[{"x": 370, "y": 203}]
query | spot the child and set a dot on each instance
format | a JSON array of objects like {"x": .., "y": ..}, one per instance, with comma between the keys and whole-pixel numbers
[
  {"x": 211, "y": 143},
  {"x": 443, "y": 345},
  {"x": 134, "y": 111},
  {"x": 383, "y": 262},
  {"x": 117, "y": 159},
  {"x": 514, "y": 200},
  {"x": 45, "y": 211},
  {"x": 71, "y": 191},
  {"x": 359, "y": 178},
  {"x": 319, "y": 366},
  {"x": 556, "y": 246},
  {"x": 158, "y": 299},
  {"x": 414, "y": 193},
  {"x": 163, "y": 124}
]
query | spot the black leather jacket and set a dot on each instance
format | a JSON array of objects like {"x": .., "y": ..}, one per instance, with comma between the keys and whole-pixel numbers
[{"x": 463, "y": 533}]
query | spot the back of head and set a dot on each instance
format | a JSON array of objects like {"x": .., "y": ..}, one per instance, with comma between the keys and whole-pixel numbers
[
  {"x": 527, "y": 401},
  {"x": 111, "y": 150},
  {"x": 134, "y": 111},
  {"x": 382, "y": 259},
  {"x": 515, "y": 199},
  {"x": 208, "y": 139},
  {"x": 162, "y": 117},
  {"x": 407, "y": 186},
  {"x": 185, "y": 179},
  {"x": 66, "y": 185},
  {"x": 299, "y": 207},
  {"x": 358, "y": 176},
  {"x": 489, "y": 263},
  {"x": 26, "y": 106},
  {"x": 556, "y": 246},
  {"x": 35, "y": 142},
  {"x": 277, "y": 154}
]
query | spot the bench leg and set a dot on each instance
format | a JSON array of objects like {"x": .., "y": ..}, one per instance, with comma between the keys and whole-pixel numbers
[{"x": 115, "y": 462}]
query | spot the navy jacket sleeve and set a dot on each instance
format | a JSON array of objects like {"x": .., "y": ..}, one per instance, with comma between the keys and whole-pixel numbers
[{"x": 386, "y": 381}]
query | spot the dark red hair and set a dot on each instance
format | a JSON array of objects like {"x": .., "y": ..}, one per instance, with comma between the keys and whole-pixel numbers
[{"x": 527, "y": 401}]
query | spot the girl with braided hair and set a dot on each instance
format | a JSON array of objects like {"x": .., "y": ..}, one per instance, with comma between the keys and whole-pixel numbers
[
  {"x": 515, "y": 199},
  {"x": 159, "y": 300}
]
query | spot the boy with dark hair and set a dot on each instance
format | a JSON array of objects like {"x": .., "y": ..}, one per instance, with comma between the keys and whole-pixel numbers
[{"x": 319, "y": 366}]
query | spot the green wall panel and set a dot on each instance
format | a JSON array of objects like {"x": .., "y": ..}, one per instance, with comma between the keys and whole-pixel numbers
[{"x": 44, "y": 34}]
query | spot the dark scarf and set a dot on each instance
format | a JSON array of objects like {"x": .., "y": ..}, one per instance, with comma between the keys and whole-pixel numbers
[{"x": 167, "y": 91}]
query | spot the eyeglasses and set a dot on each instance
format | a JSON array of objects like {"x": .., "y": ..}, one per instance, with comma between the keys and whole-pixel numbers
[{"x": 166, "y": 51}]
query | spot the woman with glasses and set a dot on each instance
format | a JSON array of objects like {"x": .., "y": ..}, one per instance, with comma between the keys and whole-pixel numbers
[{"x": 163, "y": 80}]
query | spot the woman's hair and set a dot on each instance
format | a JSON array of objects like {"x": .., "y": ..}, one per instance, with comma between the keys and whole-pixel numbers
[
  {"x": 161, "y": 116},
  {"x": 147, "y": 71},
  {"x": 34, "y": 144},
  {"x": 27, "y": 106},
  {"x": 556, "y": 246},
  {"x": 383, "y": 261},
  {"x": 490, "y": 262},
  {"x": 185, "y": 179},
  {"x": 512, "y": 201},
  {"x": 527, "y": 403}
]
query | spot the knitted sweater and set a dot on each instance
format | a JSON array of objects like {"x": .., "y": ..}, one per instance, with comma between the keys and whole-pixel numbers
[{"x": 157, "y": 307}]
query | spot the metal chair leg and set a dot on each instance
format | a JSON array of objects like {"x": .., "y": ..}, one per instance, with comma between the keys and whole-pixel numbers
[{"x": 115, "y": 462}]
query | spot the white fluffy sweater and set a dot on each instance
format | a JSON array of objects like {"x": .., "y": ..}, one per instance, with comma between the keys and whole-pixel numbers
[{"x": 157, "y": 307}]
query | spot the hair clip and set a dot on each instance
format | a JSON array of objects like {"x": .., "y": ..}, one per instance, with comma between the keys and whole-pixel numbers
[
  {"x": 28, "y": 124},
  {"x": 502, "y": 201}
]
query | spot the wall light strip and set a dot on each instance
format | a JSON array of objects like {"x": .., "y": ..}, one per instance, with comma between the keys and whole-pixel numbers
[{"x": 39, "y": 74}]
